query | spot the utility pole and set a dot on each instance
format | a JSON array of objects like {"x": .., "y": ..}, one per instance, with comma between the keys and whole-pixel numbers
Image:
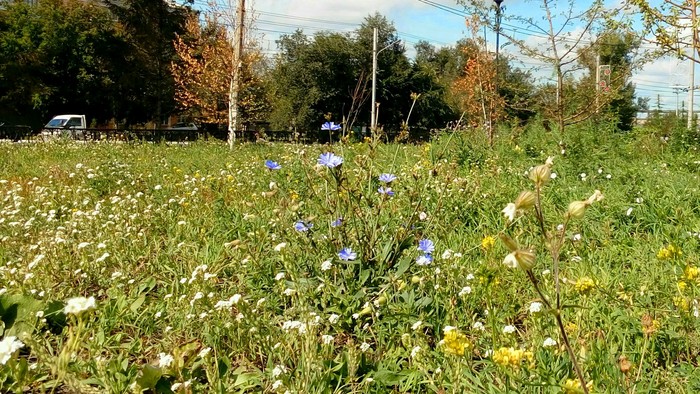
[
  {"x": 235, "y": 81},
  {"x": 677, "y": 89},
  {"x": 373, "y": 122},
  {"x": 691, "y": 90},
  {"x": 597, "y": 83}
]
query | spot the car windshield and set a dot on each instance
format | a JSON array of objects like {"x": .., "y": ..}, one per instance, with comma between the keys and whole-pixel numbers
[{"x": 56, "y": 123}]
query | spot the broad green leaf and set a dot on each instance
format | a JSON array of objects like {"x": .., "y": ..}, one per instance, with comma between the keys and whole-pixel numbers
[{"x": 149, "y": 376}]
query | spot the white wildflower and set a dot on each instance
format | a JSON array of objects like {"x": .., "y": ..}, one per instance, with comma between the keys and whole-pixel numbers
[
  {"x": 509, "y": 211},
  {"x": 415, "y": 351},
  {"x": 509, "y": 329},
  {"x": 365, "y": 347},
  {"x": 447, "y": 254},
  {"x": 165, "y": 360},
  {"x": 326, "y": 265},
  {"x": 204, "y": 352},
  {"x": 278, "y": 370},
  {"x": 78, "y": 305},
  {"x": 535, "y": 307},
  {"x": 549, "y": 342},
  {"x": 8, "y": 346}
]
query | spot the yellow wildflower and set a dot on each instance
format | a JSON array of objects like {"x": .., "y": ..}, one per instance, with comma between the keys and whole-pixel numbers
[
  {"x": 681, "y": 303},
  {"x": 573, "y": 386},
  {"x": 455, "y": 342},
  {"x": 570, "y": 328},
  {"x": 584, "y": 285},
  {"x": 512, "y": 358},
  {"x": 669, "y": 252},
  {"x": 682, "y": 286},
  {"x": 691, "y": 272},
  {"x": 488, "y": 242}
]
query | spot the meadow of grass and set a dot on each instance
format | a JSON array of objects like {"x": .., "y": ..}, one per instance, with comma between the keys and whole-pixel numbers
[{"x": 212, "y": 271}]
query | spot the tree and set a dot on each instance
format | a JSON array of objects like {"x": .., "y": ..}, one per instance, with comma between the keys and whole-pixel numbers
[
  {"x": 616, "y": 49},
  {"x": 566, "y": 28},
  {"x": 670, "y": 24},
  {"x": 58, "y": 57},
  {"x": 146, "y": 85},
  {"x": 477, "y": 87},
  {"x": 328, "y": 74},
  {"x": 673, "y": 27},
  {"x": 203, "y": 73},
  {"x": 312, "y": 78}
]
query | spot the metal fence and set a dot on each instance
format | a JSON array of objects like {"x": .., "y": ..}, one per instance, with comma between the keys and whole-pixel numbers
[{"x": 25, "y": 133}]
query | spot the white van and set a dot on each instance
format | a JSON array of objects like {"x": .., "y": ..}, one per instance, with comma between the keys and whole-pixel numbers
[{"x": 66, "y": 126}]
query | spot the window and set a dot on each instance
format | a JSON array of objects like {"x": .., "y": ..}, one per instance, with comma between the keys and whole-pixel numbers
[{"x": 74, "y": 122}]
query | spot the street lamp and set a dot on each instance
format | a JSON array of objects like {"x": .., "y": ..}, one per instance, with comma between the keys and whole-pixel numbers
[
  {"x": 677, "y": 89},
  {"x": 375, "y": 52},
  {"x": 498, "y": 36},
  {"x": 498, "y": 28}
]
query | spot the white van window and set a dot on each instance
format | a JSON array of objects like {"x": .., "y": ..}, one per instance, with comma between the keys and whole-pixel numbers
[
  {"x": 56, "y": 123},
  {"x": 74, "y": 122}
]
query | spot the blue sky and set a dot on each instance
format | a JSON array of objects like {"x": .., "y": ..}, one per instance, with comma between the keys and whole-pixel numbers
[{"x": 439, "y": 23}]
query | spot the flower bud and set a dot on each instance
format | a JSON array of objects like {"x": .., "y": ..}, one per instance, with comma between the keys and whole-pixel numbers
[
  {"x": 577, "y": 209},
  {"x": 381, "y": 300},
  {"x": 525, "y": 200},
  {"x": 415, "y": 279},
  {"x": 525, "y": 259},
  {"x": 509, "y": 242},
  {"x": 401, "y": 284},
  {"x": 365, "y": 311},
  {"x": 541, "y": 174}
]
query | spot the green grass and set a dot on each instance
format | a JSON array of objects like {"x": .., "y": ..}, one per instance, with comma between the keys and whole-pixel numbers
[{"x": 160, "y": 234}]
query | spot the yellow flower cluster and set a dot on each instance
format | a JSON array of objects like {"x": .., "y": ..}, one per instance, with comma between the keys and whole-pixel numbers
[
  {"x": 573, "y": 386},
  {"x": 488, "y": 242},
  {"x": 669, "y": 252},
  {"x": 681, "y": 303},
  {"x": 691, "y": 272},
  {"x": 570, "y": 328},
  {"x": 584, "y": 285},
  {"x": 455, "y": 342},
  {"x": 510, "y": 357}
]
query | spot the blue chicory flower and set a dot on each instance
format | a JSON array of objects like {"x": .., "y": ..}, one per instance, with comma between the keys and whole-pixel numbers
[
  {"x": 330, "y": 160},
  {"x": 387, "y": 178},
  {"x": 302, "y": 226},
  {"x": 426, "y": 246},
  {"x": 337, "y": 222},
  {"x": 330, "y": 126},
  {"x": 386, "y": 190},
  {"x": 424, "y": 259},
  {"x": 347, "y": 254},
  {"x": 272, "y": 165}
]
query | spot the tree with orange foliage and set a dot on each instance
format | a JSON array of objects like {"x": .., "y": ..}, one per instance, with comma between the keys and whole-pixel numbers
[
  {"x": 476, "y": 87},
  {"x": 203, "y": 73}
]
